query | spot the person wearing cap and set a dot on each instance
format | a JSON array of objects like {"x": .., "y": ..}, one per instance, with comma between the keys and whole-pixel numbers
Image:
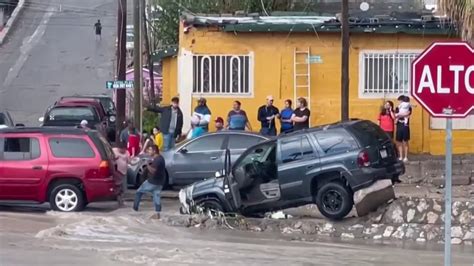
[
  {"x": 267, "y": 115},
  {"x": 203, "y": 113},
  {"x": 219, "y": 123},
  {"x": 237, "y": 118},
  {"x": 171, "y": 122}
]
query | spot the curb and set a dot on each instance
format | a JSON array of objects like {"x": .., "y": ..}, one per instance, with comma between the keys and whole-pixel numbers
[{"x": 11, "y": 21}]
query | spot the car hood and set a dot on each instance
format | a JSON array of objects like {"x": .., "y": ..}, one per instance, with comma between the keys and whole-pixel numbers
[{"x": 204, "y": 185}]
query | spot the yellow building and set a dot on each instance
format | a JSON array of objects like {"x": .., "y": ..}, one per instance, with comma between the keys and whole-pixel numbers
[{"x": 248, "y": 58}]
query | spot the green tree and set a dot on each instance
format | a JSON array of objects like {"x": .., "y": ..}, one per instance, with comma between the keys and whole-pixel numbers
[{"x": 462, "y": 12}]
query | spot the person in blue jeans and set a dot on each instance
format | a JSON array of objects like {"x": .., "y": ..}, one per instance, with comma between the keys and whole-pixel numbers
[
  {"x": 285, "y": 118},
  {"x": 155, "y": 182}
]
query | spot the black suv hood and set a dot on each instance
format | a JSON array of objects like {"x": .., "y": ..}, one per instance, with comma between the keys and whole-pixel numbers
[{"x": 205, "y": 186}]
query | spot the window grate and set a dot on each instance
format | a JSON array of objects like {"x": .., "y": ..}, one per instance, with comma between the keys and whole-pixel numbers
[
  {"x": 221, "y": 74},
  {"x": 386, "y": 73}
]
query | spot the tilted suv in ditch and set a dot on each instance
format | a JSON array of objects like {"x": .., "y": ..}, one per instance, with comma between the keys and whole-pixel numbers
[{"x": 323, "y": 165}]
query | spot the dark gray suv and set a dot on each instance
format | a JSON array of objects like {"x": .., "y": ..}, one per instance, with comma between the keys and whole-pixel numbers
[{"x": 323, "y": 165}]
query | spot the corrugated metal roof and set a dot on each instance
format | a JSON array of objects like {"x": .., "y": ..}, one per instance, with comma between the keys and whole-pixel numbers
[{"x": 381, "y": 24}]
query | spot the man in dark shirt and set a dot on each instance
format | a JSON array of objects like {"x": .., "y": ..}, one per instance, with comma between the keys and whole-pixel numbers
[
  {"x": 267, "y": 115},
  {"x": 155, "y": 182},
  {"x": 98, "y": 30}
]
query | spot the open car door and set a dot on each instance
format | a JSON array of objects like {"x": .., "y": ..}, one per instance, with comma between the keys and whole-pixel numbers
[{"x": 231, "y": 187}]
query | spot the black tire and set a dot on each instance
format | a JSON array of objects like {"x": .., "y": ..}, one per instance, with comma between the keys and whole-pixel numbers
[
  {"x": 66, "y": 198},
  {"x": 210, "y": 204},
  {"x": 334, "y": 200}
]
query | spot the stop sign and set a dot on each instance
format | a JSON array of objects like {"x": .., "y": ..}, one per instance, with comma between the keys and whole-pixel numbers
[{"x": 443, "y": 78}]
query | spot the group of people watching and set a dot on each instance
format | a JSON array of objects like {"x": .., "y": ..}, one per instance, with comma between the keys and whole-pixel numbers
[{"x": 171, "y": 122}]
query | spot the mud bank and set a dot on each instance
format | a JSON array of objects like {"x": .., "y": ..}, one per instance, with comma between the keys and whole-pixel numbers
[{"x": 407, "y": 219}]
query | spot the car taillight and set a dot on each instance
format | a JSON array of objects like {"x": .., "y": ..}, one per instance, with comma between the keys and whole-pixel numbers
[
  {"x": 104, "y": 169},
  {"x": 363, "y": 159}
]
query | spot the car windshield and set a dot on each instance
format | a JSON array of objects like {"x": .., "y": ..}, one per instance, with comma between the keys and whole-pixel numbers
[{"x": 71, "y": 113}]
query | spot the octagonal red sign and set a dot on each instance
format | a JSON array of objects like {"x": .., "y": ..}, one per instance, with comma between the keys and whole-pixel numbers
[{"x": 443, "y": 78}]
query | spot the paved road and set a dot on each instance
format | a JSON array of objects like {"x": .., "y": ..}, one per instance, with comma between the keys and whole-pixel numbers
[
  {"x": 104, "y": 236},
  {"x": 52, "y": 52}
]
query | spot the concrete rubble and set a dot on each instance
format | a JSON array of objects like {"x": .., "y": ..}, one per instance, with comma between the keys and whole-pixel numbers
[{"x": 407, "y": 219}]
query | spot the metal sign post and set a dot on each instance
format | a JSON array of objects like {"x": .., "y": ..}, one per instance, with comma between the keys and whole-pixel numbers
[{"x": 447, "y": 187}]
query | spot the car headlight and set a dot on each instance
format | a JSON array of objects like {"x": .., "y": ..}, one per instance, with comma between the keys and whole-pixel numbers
[{"x": 112, "y": 118}]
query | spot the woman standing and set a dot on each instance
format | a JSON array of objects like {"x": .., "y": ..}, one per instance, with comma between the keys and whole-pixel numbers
[
  {"x": 301, "y": 115},
  {"x": 387, "y": 118},
  {"x": 285, "y": 118}
]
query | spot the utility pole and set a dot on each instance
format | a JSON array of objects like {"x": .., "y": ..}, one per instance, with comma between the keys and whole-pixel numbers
[
  {"x": 149, "y": 59},
  {"x": 345, "y": 61},
  {"x": 137, "y": 67},
  {"x": 121, "y": 64}
]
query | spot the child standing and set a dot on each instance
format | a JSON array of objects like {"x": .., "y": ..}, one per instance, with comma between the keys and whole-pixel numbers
[
  {"x": 122, "y": 159},
  {"x": 133, "y": 144},
  {"x": 158, "y": 138}
]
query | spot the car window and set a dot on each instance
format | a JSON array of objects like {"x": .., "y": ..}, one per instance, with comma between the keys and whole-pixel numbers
[
  {"x": 70, "y": 148},
  {"x": 291, "y": 150},
  {"x": 16, "y": 149},
  {"x": 242, "y": 142},
  {"x": 3, "y": 119},
  {"x": 108, "y": 104},
  {"x": 306, "y": 147},
  {"x": 206, "y": 143},
  {"x": 335, "y": 141},
  {"x": 369, "y": 133},
  {"x": 71, "y": 113}
]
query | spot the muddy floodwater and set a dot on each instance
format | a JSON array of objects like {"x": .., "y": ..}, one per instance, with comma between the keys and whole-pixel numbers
[{"x": 103, "y": 235}]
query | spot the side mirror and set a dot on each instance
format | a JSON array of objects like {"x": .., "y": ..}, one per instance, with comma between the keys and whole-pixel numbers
[
  {"x": 41, "y": 119},
  {"x": 20, "y": 125},
  {"x": 183, "y": 151}
]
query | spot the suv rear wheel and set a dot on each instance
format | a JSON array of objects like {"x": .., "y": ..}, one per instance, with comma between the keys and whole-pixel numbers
[
  {"x": 334, "y": 200},
  {"x": 66, "y": 198}
]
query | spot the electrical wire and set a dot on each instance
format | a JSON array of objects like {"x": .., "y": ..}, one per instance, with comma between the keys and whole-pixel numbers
[{"x": 263, "y": 7}]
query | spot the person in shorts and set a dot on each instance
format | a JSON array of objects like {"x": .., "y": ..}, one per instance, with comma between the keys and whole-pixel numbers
[{"x": 403, "y": 130}]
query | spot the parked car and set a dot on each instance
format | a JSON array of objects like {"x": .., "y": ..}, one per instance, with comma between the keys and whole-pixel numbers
[
  {"x": 70, "y": 113},
  {"x": 66, "y": 167},
  {"x": 6, "y": 120},
  {"x": 109, "y": 108},
  {"x": 196, "y": 159},
  {"x": 323, "y": 165}
]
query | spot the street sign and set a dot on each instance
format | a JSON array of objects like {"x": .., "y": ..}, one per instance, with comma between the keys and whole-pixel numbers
[
  {"x": 443, "y": 77},
  {"x": 119, "y": 84},
  {"x": 443, "y": 83}
]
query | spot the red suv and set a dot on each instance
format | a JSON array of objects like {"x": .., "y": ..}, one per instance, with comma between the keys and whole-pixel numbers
[{"x": 66, "y": 167}]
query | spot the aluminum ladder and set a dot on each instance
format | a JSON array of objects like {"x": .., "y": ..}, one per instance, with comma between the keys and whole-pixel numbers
[{"x": 302, "y": 75}]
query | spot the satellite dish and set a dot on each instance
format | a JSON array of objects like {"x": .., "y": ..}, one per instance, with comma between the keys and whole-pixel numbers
[{"x": 364, "y": 6}]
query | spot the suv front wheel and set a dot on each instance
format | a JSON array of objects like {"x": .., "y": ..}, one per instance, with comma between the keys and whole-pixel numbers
[
  {"x": 66, "y": 198},
  {"x": 334, "y": 200}
]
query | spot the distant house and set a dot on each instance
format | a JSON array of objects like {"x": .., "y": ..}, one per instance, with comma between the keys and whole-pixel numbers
[
  {"x": 224, "y": 58},
  {"x": 158, "y": 81}
]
